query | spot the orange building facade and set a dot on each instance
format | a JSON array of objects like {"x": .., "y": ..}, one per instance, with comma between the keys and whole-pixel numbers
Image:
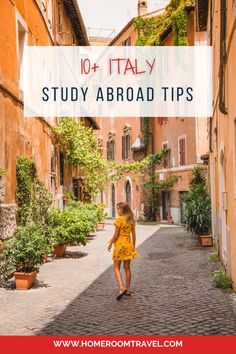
[
  {"x": 185, "y": 137},
  {"x": 32, "y": 22},
  {"x": 222, "y": 128}
]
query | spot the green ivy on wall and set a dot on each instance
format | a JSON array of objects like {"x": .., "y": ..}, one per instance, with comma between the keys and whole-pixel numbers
[
  {"x": 33, "y": 199},
  {"x": 80, "y": 147},
  {"x": 153, "y": 188},
  {"x": 150, "y": 29},
  {"x": 146, "y": 131}
]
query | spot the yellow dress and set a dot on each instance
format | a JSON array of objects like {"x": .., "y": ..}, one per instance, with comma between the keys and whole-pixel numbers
[{"x": 123, "y": 246}]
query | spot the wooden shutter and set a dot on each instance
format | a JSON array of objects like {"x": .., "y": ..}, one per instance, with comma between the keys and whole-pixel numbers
[
  {"x": 112, "y": 150},
  {"x": 108, "y": 150},
  {"x": 123, "y": 147},
  {"x": 128, "y": 145},
  {"x": 182, "y": 158},
  {"x": 61, "y": 169},
  {"x": 184, "y": 152}
]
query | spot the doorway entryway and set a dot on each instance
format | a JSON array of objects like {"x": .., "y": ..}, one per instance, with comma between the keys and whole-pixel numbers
[
  {"x": 128, "y": 193},
  {"x": 165, "y": 205}
]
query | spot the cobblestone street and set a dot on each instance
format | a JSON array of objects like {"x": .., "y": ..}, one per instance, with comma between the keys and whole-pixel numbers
[{"x": 173, "y": 292}]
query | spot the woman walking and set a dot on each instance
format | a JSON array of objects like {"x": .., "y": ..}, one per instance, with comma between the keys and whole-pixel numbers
[{"x": 124, "y": 240}]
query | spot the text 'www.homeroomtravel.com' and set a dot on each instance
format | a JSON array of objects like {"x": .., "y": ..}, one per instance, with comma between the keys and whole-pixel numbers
[{"x": 117, "y": 343}]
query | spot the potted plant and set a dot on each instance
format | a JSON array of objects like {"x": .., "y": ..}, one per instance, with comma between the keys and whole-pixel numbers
[
  {"x": 197, "y": 211},
  {"x": 57, "y": 233},
  {"x": 67, "y": 226},
  {"x": 169, "y": 219},
  {"x": 68, "y": 196},
  {"x": 23, "y": 254},
  {"x": 101, "y": 216}
]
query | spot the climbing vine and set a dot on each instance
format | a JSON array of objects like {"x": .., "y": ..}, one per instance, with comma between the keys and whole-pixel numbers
[
  {"x": 153, "y": 186},
  {"x": 118, "y": 171},
  {"x": 33, "y": 199},
  {"x": 146, "y": 130},
  {"x": 150, "y": 29},
  {"x": 80, "y": 147}
]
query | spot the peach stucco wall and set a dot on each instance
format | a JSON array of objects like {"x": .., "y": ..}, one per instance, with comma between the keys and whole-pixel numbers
[{"x": 223, "y": 156}]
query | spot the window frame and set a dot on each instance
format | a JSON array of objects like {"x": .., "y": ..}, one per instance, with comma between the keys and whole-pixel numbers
[
  {"x": 182, "y": 137},
  {"x": 166, "y": 161},
  {"x": 126, "y": 145}
]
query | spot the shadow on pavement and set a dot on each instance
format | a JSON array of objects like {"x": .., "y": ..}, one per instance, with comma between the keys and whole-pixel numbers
[{"x": 173, "y": 294}]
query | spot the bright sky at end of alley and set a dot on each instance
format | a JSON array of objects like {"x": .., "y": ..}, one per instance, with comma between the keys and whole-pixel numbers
[{"x": 113, "y": 14}]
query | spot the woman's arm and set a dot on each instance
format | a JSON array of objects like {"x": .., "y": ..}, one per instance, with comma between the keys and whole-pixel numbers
[
  {"x": 114, "y": 238},
  {"x": 133, "y": 232}
]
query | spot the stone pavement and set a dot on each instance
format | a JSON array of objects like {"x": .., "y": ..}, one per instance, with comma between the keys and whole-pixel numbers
[
  {"x": 60, "y": 281},
  {"x": 173, "y": 292}
]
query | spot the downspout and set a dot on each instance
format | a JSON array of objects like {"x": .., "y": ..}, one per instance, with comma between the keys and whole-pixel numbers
[
  {"x": 222, "y": 106},
  {"x": 210, "y": 118}
]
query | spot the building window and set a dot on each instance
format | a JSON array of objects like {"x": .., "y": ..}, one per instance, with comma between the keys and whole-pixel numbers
[
  {"x": 128, "y": 193},
  {"x": 127, "y": 42},
  {"x": 21, "y": 42},
  {"x": 166, "y": 161},
  {"x": 182, "y": 152},
  {"x": 52, "y": 170},
  {"x": 126, "y": 146},
  {"x": 61, "y": 169},
  {"x": 111, "y": 149}
]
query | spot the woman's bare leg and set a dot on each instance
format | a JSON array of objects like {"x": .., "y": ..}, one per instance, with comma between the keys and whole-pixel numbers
[
  {"x": 127, "y": 273},
  {"x": 118, "y": 274}
]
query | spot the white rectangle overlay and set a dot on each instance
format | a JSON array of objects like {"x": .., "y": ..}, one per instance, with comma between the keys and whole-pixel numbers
[{"x": 119, "y": 81}]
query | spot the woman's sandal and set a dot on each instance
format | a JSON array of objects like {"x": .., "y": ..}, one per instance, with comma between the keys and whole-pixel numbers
[
  {"x": 128, "y": 293},
  {"x": 122, "y": 292}
]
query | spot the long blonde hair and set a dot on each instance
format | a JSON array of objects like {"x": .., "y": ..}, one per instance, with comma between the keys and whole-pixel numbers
[{"x": 126, "y": 210}]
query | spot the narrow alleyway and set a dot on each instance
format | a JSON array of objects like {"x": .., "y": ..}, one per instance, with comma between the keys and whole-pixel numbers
[{"x": 172, "y": 283}]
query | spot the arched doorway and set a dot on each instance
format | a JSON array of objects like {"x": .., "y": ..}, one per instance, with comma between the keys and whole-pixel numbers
[
  {"x": 128, "y": 192},
  {"x": 113, "y": 201}
]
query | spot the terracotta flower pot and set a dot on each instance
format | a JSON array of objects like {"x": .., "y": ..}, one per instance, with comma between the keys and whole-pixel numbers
[
  {"x": 100, "y": 226},
  {"x": 169, "y": 219},
  {"x": 206, "y": 240},
  {"x": 59, "y": 251},
  {"x": 158, "y": 217},
  {"x": 25, "y": 281},
  {"x": 45, "y": 257}
]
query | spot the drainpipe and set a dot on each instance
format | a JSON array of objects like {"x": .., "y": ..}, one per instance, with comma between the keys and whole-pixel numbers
[
  {"x": 210, "y": 118},
  {"x": 222, "y": 106}
]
